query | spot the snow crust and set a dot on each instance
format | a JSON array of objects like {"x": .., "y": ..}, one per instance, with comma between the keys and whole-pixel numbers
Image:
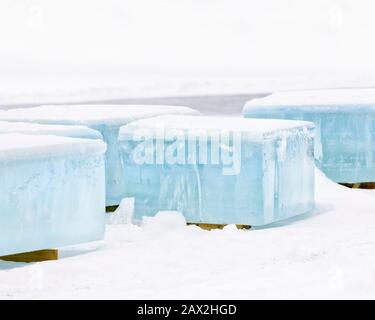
[
  {"x": 321, "y": 99},
  {"x": 255, "y": 128},
  {"x": 45, "y": 129},
  {"x": 14, "y": 146},
  {"x": 91, "y": 114}
]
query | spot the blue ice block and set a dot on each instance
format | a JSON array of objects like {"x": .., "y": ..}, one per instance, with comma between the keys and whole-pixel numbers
[
  {"x": 52, "y": 192},
  {"x": 345, "y": 127},
  {"x": 219, "y": 170},
  {"x": 107, "y": 119}
]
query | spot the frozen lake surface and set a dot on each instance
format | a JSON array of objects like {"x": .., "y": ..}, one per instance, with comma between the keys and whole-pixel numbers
[{"x": 230, "y": 104}]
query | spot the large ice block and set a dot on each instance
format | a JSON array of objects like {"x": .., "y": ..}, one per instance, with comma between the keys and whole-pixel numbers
[
  {"x": 52, "y": 192},
  {"x": 345, "y": 127},
  {"x": 107, "y": 119},
  {"x": 46, "y": 129},
  {"x": 219, "y": 170}
]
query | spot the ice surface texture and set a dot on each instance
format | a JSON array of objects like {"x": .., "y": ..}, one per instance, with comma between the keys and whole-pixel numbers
[
  {"x": 345, "y": 127},
  {"x": 52, "y": 192},
  {"x": 107, "y": 119},
  {"x": 271, "y": 177}
]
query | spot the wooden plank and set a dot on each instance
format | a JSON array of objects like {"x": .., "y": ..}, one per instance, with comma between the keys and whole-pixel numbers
[
  {"x": 367, "y": 185},
  {"x": 211, "y": 226},
  {"x": 111, "y": 208},
  {"x": 360, "y": 185},
  {"x": 34, "y": 256}
]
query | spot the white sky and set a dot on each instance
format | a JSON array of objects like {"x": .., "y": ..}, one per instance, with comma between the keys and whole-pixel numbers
[{"x": 192, "y": 35}]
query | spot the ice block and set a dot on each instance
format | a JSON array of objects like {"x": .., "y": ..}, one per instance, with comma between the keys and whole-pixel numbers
[
  {"x": 52, "y": 192},
  {"x": 107, "y": 119},
  {"x": 345, "y": 127},
  {"x": 219, "y": 170}
]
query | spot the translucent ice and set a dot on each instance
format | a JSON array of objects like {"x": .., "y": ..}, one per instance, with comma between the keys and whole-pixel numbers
[
  {"x": 52, "y": 192},
  {"x": 345, "y": 127},
  {"x": 107, "y": 119},
  {"x": 219, "y": 170}
]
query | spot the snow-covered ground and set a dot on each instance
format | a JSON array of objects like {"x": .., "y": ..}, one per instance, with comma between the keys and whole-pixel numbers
[
  {"x": 30, "y": 88},
  {"x": 329, "y": 253}
]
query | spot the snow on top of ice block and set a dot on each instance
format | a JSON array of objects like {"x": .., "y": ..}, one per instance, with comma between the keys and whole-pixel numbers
[
  {"x": 254, "y": 128},
  {"x": 14, "y": 146},
  {"x": 92, "y": 114},
  {"x": 46, "y": 129},
  {"x": 324, "y": 99}
]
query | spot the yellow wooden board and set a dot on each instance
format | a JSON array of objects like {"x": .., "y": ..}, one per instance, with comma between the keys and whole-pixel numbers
[
  {"x": 34, "y": 256},
  {"x": 208, "y": 226},
  {"x": 360, "y": 185}
]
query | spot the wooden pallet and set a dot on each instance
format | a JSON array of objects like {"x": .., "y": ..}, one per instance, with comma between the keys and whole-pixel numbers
[
  {"x": 360, "y": 185},
  {"x": 210, "y": 226},
  {"x": 34, "y": 256}
]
